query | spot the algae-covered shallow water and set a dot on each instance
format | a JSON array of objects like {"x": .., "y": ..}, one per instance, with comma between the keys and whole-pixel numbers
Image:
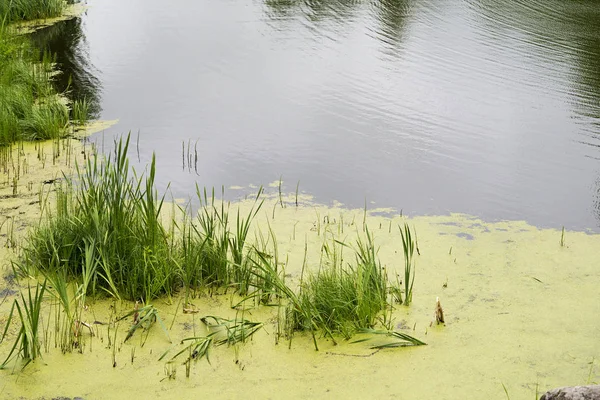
[{"x": 521, "y": 311}]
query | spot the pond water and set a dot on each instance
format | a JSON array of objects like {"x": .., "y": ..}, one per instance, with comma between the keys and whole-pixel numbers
[{"x": 490, "y": 108}]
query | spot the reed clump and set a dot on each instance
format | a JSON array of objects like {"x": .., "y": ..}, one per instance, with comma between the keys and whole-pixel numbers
[
  {"x": 110, "y": 217},
  {"x": 347, "y": 296},
  {"x": 106, "y": 233},
  {"x": 114, "y": 215},
  {"x": 340, "y": 299}
]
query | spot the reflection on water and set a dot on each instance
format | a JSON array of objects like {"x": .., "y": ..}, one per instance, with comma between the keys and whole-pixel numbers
[
  {"x": 479, "y": 106},
  {"x": 67, "y": 42},
  {"x": 393, "y": 15}
]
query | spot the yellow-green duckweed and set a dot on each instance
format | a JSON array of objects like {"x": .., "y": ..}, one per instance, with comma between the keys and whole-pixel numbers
[{"x": 521, "y": 311}]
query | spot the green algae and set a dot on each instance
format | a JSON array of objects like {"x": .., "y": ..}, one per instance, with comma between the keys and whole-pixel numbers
[
  {"x": 70, "y": 11},
  {"x": 520, "y": 310}
]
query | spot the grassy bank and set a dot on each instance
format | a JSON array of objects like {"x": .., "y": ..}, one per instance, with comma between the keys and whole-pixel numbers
[
  {"x": 30, "y": 107},
  {"x": 27, "y": 10}
]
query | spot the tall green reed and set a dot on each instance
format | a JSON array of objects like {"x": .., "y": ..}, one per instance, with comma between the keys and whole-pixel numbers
[
  {"x": 348, "y": 296},
  {"x": 27, "y": 345},
  {"x": 110, "y": 216},
  {"x": 408, "y": 246}
]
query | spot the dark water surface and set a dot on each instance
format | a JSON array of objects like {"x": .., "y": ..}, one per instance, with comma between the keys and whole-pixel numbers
[{"x": 485, "y": 107}]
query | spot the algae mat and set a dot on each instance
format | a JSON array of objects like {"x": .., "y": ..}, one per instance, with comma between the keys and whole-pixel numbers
[{"x": 521, "y": 309}]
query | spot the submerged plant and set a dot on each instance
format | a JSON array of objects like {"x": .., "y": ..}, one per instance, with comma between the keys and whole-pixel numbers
[
  {"x": 143, "y": 318},
  {"x": 401, "y": 339},
  {"x": 222, "y": 331}
]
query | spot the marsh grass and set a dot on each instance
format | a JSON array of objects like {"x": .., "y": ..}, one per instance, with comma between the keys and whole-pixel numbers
[
  {"x": 27, "y": 345},
  {"x": 30, "y": 108},
  {"x": 212, "y": 240},
  {"x": 214, "y": 252},
  {"x": 111, "y": 218},
  {"x": 297, "y": 314},
  {"x": 106, "y": 228},
  {"x": 71, "y": 302},
  {"x": 408, "y": 246},
  {"x": 106, "y": 234},
  {"x": 80, "y": 112},
  {"x": 341, "y": 298},
  {"x": 26, "y": 10},
  {"x": 348, "y": 296}
]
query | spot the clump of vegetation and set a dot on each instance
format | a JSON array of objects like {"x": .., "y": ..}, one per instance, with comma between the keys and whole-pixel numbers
[
  {"x": 347, "y": 296},
  {"x": 116, "y": 217},
  {"x": 340, "y": 299},
  {"x": 143, "y": 318},
  {"x": 107, "y": 232},
  {"x": 26, "y": 10},
  {"x": 30, "y": 108},
  {"x": 212, "y": 252},
  {"x": 111, "y": 218}
]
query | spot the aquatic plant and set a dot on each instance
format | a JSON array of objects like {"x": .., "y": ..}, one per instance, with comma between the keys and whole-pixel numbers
[
  {"x": 111, "y": 217},
  {"x": 80, "y": 111},
  {"x": 143, "y": 318},
  {"x": 29, "y": 105},
  {"x": 27, "y": 345},
  {"x": 400, "y": 339},
  {"x": 237, "y": 244},
  {"x": 25, "y": 10},
  {"x": 213, "y": 252},
  {"x": 348, "y": 297},
  {"x": 230, "y": 331},
  {"x": 213, "y": 235},
  {"x": 222, "y": 331},
  {"x": 408, "y": 246},
  {"x": 299, "y": 314},
  {"x": 116, "y": 217},
  {"x": 339, "y": 299}
]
